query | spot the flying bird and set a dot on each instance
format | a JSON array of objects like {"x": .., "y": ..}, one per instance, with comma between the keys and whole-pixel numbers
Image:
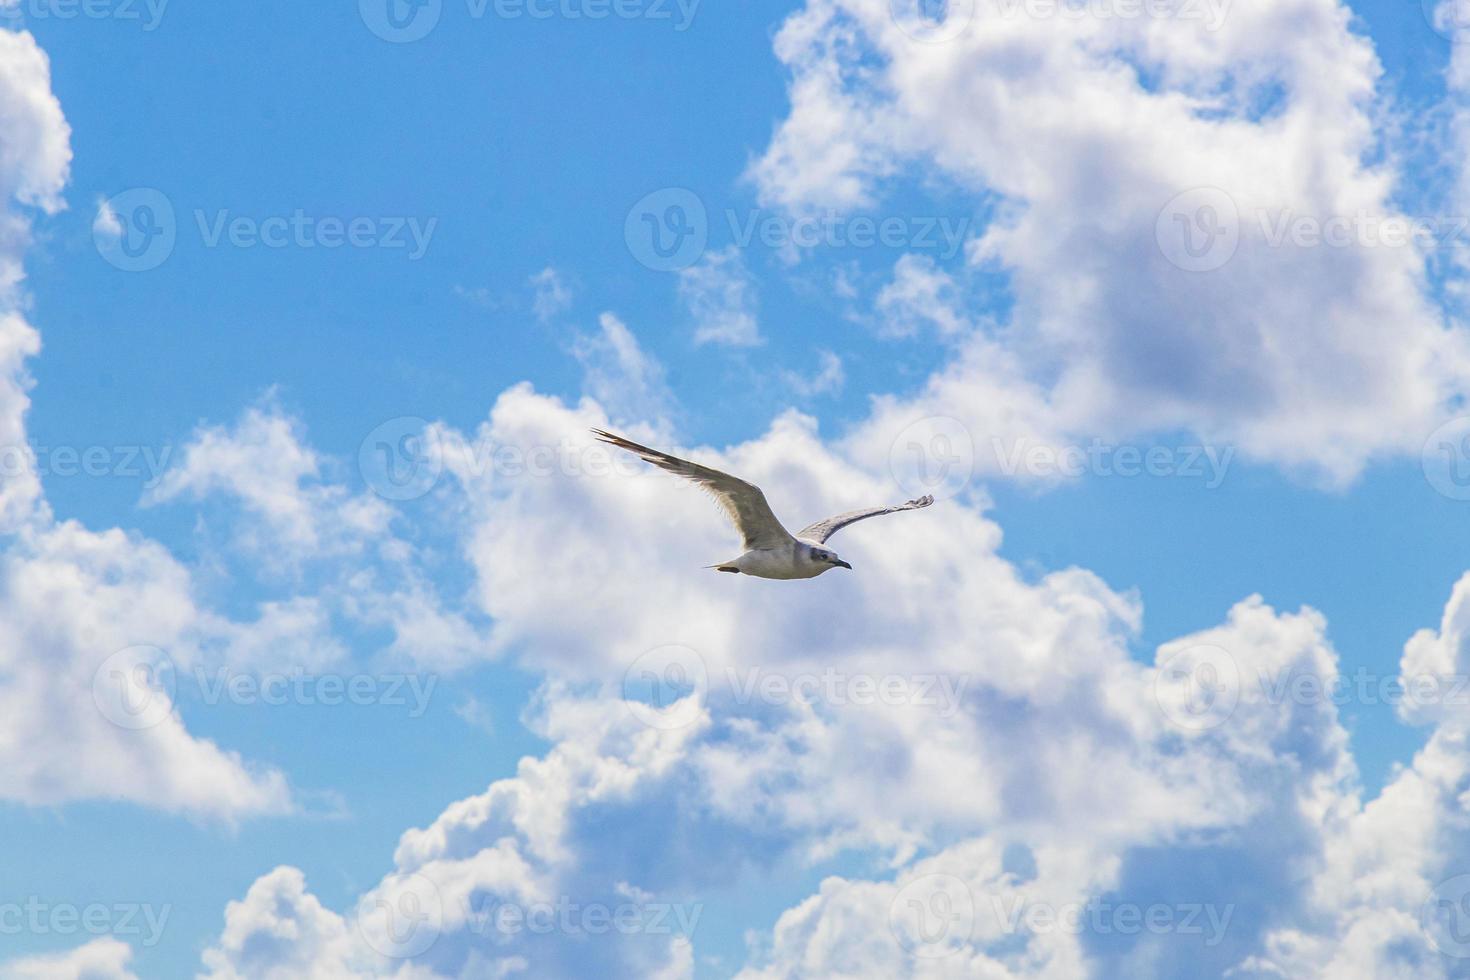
[{"x": 771, "y": 551}]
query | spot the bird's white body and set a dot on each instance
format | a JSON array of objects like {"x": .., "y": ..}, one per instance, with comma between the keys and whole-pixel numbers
[
  {"x": 771, "y": 551},
  {"x": 789, "y": 561}
]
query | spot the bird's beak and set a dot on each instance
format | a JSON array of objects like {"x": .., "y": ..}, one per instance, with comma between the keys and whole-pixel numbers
[{"x": 842, "y": 564}]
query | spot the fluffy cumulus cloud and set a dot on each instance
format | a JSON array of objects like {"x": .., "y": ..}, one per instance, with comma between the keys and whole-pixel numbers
[
  {"x": 1014, "y": 788},
  {"x": 100, "y": 959},
  {"x": 1153, "y": 183},
  {"x": 84, "y": 610},
  {"x": 950, "y": 728},
  {"x": 720, "y": 295}
]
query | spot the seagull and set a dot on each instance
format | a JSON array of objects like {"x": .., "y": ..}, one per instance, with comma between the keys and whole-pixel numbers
[{"x": 771, "y": 551}]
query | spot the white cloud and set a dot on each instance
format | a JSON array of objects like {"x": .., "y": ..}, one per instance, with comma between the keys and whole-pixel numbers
[
  {"x": 73, "y": 598},
  {"x": 826, "y": 380},
  {"x": 107, "y": 223},
  {"x": 920, "y": 293},
  {"x": 1050, "y": 698},
  {"x": 720, "y": 295},
  {"x": 619, "y": 374},
  {"x": 553, "y": 297},
  {"x": 100, "y": 959},
  {"x": 1085, "y": 128},
  {"x": 264, "y": 463}
]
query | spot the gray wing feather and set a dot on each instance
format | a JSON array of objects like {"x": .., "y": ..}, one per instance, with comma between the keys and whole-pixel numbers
[
  {"x": 822, "y": 530},
  {"x": 742, "y": 502}
]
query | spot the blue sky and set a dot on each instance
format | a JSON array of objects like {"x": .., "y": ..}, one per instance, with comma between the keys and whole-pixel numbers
[{"x": 231, "y": 388}]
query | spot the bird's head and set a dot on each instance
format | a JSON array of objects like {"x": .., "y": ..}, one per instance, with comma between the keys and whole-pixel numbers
[{"x": 822, "y": 556}]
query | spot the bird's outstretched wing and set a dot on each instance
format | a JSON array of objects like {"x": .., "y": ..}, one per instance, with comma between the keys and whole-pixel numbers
[
  {"x": 822, "y": 530},
  {"x": 743, "y": 502}
]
